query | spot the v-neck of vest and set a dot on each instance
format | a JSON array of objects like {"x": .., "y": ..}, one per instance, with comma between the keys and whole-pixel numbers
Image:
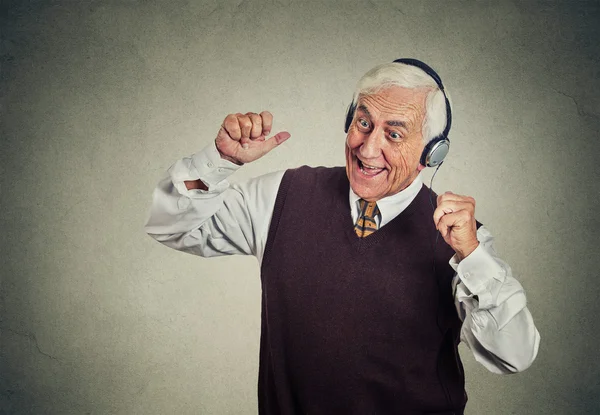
[{"x": 359, "y": 243}]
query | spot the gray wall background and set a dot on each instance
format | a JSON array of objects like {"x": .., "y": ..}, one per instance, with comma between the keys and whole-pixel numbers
[{"x": 99, "y": 98}]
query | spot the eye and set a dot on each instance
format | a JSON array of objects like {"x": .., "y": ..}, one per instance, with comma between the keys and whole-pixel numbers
[
  {"x": 362, "y": 123},
  {"x": 395, "y": 136}
]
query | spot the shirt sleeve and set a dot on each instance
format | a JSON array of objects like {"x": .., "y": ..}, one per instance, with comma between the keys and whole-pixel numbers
[
  {"x": 497, "y": 326},
  {"x": 226, "y": 219}
]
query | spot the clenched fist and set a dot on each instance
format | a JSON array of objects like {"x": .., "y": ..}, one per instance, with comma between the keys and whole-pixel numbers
[
  {"x": 454, "y": 217},
  {"x": 243, "y": 137}
]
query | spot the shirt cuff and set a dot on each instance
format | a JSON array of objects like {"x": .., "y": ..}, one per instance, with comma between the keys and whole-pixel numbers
[
  {"x": 480, "y": 273},
  {"x": 206, "y": 165}
]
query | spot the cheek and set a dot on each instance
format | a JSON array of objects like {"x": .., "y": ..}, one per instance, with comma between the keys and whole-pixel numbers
[
  {"x": 402, "y": 165},
  {"x": 405, "y": 159}
]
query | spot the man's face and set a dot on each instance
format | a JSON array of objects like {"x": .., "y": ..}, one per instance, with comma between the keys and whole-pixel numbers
[{"x": 385, "y": 142}]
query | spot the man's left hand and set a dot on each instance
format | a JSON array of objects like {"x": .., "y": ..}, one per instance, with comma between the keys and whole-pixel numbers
[{"x": 455, "y": 219}]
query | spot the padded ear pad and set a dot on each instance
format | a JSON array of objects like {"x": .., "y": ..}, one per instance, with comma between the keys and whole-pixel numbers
[{"x": 435, "y": 151}]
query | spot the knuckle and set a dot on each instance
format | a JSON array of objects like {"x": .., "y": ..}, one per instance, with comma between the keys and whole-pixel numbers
[
  {"x": 232, "y": 128},
  {"x": 244, "y": 122},
  {"x": 266, "y": 117},
  {"x": 253, "y": 116},
  {"x": 256, "y": 119},
  {"x": 231, "y": 118}
]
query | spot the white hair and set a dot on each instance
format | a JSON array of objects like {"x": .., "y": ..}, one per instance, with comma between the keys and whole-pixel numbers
[{"x": 407, "y": 76}]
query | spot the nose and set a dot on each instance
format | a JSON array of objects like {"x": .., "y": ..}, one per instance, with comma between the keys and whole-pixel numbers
[{"x": 371, "y": 147}]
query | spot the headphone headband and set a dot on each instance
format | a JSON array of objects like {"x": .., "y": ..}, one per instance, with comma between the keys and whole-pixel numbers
[
  {"x": 423, "y": 66},
  {"x": 434, "y": 75}
]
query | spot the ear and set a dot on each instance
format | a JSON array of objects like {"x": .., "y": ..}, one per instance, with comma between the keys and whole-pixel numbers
[{"x": 420, "y": 168}]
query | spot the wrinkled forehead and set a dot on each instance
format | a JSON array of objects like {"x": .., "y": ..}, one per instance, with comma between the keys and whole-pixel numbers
[{"x": 394, "y": 100}]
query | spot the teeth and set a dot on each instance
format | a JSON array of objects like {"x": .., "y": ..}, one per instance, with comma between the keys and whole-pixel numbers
[{"x": 365, "y": 167}]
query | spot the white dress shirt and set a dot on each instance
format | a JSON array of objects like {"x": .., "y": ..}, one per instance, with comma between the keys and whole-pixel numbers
[{"x": 234, "y": 219}]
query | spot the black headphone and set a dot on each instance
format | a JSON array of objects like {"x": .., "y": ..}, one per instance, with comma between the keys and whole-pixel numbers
[{"x": 435, "y": 151}]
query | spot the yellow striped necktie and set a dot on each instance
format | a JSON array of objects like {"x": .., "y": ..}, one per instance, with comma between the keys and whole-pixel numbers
[{"x": 366, "y": 224}]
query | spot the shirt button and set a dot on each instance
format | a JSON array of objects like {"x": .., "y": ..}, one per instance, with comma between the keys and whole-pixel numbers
[
  {"x": 467, "y": 275},
  {"x": 221, "y": 170},
  {"x": 210, "y": 164}
]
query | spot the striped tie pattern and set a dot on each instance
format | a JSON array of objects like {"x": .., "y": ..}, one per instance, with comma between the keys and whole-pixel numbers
[{"x": 366, "y": 225}]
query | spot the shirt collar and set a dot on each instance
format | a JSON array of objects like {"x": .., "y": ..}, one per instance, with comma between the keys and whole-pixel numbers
[{"x": 390, "y": 206}]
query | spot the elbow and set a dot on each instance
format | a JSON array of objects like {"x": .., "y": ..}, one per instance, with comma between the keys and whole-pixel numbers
[
  {"x": 154, "y": 235},
  {"x": 174, "y": 241},
  {"x": 171, "y": 240},
  {"x": 509, "y": 349},
  {"x": 157, "y": 236},
  {"x": 526, "y": 358},
  {"x": 150, "y": 231},
  {"x": 183, "y": 242},
  {"x": 161, "y": 233},
  {"x": 522, "y": 357}
]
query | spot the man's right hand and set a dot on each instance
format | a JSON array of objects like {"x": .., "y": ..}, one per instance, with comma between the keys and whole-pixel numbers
[{"x": 243, "y": 137}]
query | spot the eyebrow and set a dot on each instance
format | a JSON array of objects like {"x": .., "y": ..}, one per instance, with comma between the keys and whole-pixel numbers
[{"x": 394, "y": 123}]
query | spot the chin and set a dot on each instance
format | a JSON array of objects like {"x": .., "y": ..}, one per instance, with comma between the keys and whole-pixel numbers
[{"x": 366, "y": 193}]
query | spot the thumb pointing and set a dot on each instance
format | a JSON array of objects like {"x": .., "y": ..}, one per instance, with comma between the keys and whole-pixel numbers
[
  {"x": 274, "y": 141},
  {"x": 281, "y": 137}
]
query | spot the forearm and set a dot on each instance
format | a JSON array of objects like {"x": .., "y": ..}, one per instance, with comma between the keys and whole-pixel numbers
[
  {"x": 174, "y": 215},
  {"x": 187, "y": 197},
  {"x": 497, "y": 326},
  {"x": 218, "y": 220},
  {"x": 198, "y": 184},
  {"x": 503, "y": 349}
]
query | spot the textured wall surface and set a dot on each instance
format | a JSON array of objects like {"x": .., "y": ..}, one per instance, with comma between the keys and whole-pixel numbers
[{"x": 99, "y": 98}]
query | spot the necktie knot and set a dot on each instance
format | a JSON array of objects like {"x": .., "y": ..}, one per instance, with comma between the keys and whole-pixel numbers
[{"x": 366, "y": 223}]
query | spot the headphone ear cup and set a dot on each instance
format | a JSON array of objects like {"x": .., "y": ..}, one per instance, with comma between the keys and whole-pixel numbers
[
  {"x": 435, "y": 151},
  {"x": 349, "y": 116}
]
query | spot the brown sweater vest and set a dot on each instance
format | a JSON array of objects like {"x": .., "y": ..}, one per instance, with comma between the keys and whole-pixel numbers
[{"x": 351, "y": 325}]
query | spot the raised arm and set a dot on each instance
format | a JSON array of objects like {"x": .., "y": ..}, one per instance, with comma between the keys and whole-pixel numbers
[
  {"x": 497, "y": 326},
  {"x": 194, "y": 208}
]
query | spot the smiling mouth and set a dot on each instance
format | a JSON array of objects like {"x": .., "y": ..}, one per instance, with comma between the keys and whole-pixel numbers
[{"x": 368, "y": 170}]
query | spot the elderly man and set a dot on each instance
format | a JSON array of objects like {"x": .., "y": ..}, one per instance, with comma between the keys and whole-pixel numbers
[{"x": 362, "y": 307}]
